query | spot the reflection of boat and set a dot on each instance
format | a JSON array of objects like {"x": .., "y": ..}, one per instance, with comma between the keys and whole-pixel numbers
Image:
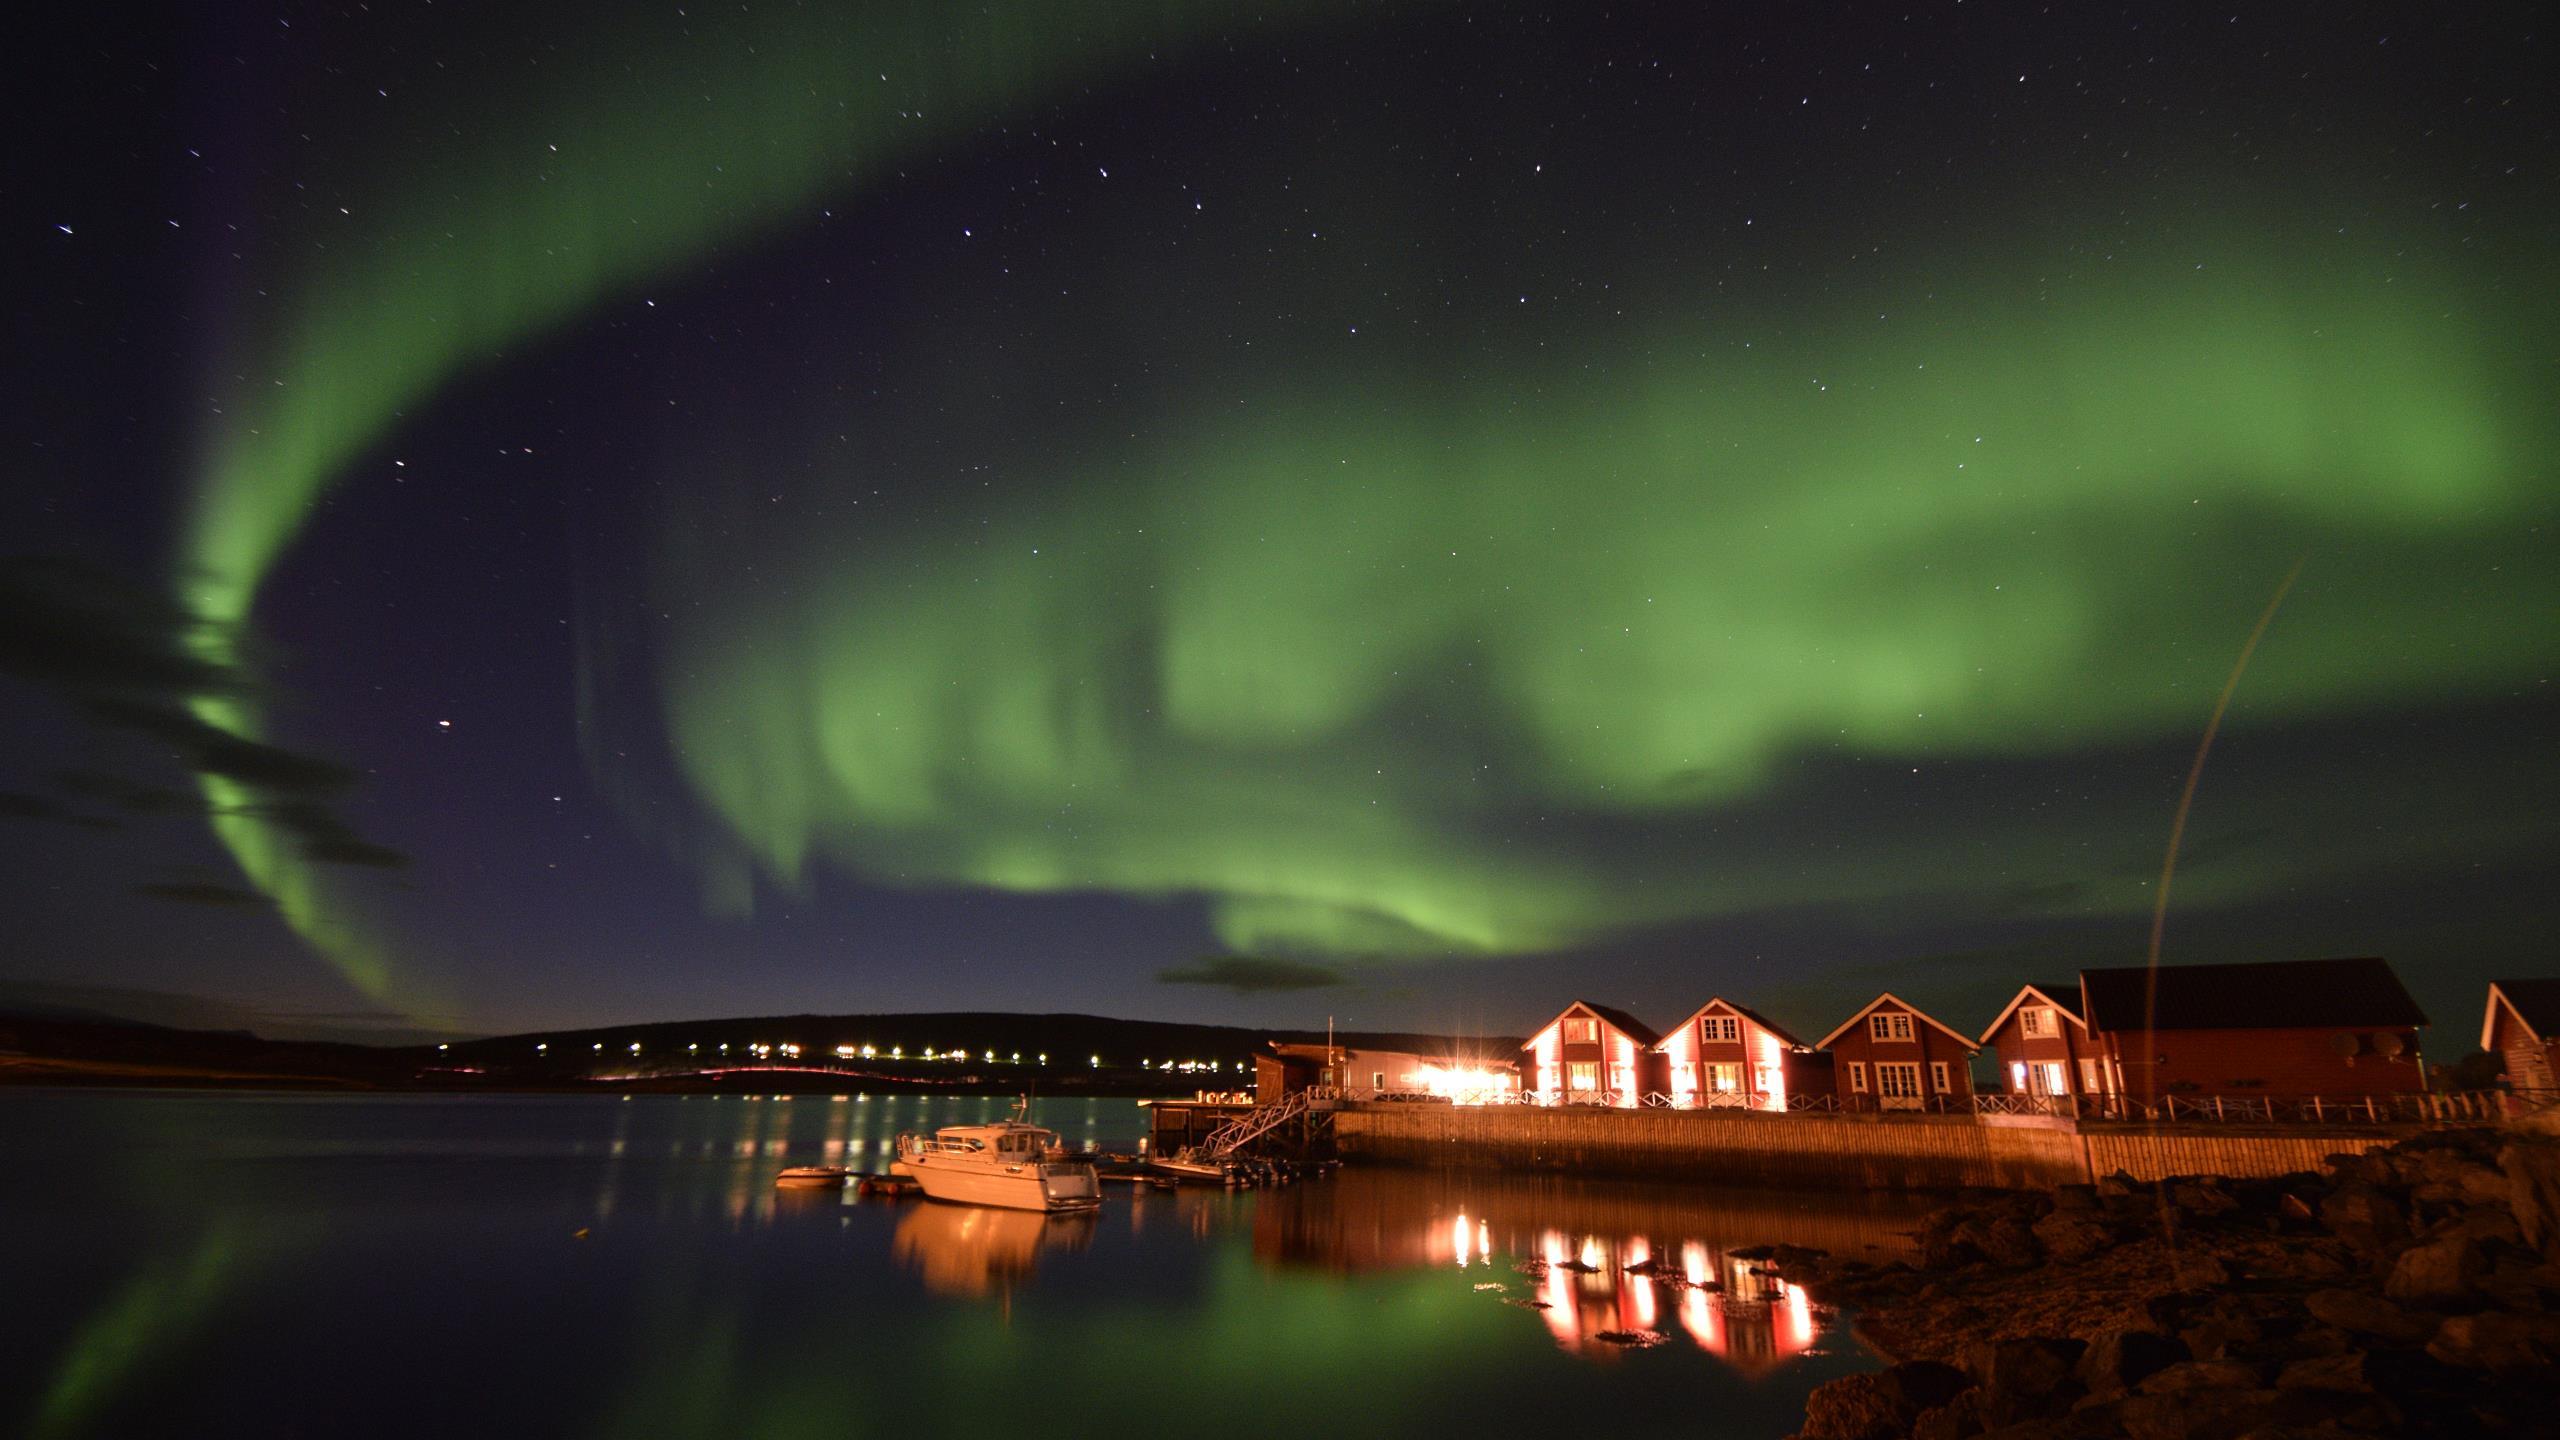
[
  {"x": 972, "y": 1250},
  {"x": 1009, "y": 1163},
  {"x": 813, "y": 1177}
]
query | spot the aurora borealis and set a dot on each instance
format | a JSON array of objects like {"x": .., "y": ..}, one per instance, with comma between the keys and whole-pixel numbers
[{"x": 856, "y": 508}]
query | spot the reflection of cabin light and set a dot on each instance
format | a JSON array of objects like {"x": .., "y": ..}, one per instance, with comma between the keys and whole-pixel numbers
[
  {"x": 538, "y": 1049},
  {"x": 1799, "y": 1314},
  {"x": 1484, "y": 1242},
  {"x": 1693, "y": 1262},
  {"x": 1591, "y": 1251},
  {"x": 1458, "y": 1236}
]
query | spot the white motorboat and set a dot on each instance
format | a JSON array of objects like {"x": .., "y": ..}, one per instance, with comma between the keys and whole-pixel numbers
[{"x": 1010, "y": 1163}]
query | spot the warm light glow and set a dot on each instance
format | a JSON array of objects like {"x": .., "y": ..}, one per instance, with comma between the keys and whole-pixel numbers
[
  {"x": 1462, "y": 1086},
  {"x": 1458, "y": 1238},
  {"x": 1799, "y": 1315},
  {"x": 1773, "y": 1071}
]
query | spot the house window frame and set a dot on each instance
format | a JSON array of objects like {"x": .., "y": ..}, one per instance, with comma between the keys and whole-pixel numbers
[
  {"x": 1580, "y": 1030},
  {"x": 1940, "y": 1079},
  {"x": 1585, "y": 1071},
  {"x": 1902, "y": 1072},
  {"x": 1857, "y": 1077},
  {"x": 1719, "y": 1030},
  {"x": 2035, "y": 1021},
  {"x": 1892, "y": 1026},
  {"x": 2089, "y": 1083}
]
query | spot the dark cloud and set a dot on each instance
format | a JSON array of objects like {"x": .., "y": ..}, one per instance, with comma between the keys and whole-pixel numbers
[
  {"x": 129, "y": 659},
  {"x": 197, "y": 892},
  {"x": 1246, "y": 975},
  {"x": 17, "y": 805}
]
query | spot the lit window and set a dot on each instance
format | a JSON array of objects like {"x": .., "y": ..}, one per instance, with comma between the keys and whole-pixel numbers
[
  {"x": 2037, "y": 1021},
  {"x": 1582, "y": 1075},
  {"x": 1582, "y": 1032}
]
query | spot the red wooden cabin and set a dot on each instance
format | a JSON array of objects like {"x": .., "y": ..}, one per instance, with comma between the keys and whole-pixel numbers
[
  {"x": 1593, "y": 1055},
  {"x": 2042, "y": 1042},
  {"x": 2523, "y": 1027},
  {"x": 1726, "y": 1055},
  {"x": 2289, "y": 1028},
  {"x": 1892, "y": 1056}
]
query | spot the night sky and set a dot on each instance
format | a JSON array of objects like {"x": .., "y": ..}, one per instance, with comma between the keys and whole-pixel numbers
[{"x": 522, "y": 516}]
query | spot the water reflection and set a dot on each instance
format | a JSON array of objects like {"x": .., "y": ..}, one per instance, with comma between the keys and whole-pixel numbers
[
  {"x": 1607, "y": 1267},
  {"x": 542, "y": 1265},
  {"x": 972, "y": 1250}
]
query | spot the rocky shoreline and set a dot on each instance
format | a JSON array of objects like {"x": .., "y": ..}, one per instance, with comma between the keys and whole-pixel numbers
[{"x": 2413, "y": 1290}]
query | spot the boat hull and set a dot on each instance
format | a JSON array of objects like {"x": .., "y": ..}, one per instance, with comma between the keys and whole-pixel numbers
[{"x": 1023, "y": 1187}]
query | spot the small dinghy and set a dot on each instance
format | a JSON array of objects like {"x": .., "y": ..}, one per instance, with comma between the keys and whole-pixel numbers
[{"x": 813, "y": 1177}]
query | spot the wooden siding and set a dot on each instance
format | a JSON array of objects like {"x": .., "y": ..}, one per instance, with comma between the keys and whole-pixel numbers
[{"x": 2259, "y": 1062}]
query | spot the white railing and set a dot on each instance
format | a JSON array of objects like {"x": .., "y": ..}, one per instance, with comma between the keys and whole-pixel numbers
[
  {"x": 2470, "y": 1107},
  {"x": 1256, "y": 1123}
]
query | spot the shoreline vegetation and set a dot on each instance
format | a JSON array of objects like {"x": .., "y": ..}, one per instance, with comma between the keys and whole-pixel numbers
[{"x": 2411, "y": 1290}]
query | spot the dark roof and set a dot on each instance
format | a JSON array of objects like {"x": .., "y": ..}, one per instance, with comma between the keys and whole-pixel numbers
[
  {"x": 2265, "y": 995},
  {"x": 1765, "y": 1023},
  {"x": 1643, "y": 1033},
  {"x": 2538, "y": 1001},
  {"x": 2064, "y": 993},
  {"x": 1635, "y": 1028}
]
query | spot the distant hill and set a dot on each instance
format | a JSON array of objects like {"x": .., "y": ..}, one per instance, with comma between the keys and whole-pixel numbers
[
  {"x": 986, "y": 1051},
  {"x": 1003, "y": 1046}
]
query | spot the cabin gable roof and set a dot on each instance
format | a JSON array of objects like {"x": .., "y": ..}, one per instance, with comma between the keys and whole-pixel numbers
[
  {"x": 1922, "y": 1015},
  {"x": 1744, "y": 1011},
  {"x": 1620, "y": 1020},
  {"x": 2534, "y": 1003},
  {"x": 2065, "y": 998}
]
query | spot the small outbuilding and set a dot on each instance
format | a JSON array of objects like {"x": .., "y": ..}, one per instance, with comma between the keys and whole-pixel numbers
[
  {"x": 1892, "y": 1056},
  {"x": 1594, "y": 1055},
  {"x": 2523, "y": 1028},
  {"x": 2283, "y": 1028}
]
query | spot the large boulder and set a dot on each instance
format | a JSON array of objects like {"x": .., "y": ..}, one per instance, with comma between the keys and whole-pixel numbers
[
  {"x": 2362, "y": 1314},
  {"x": 2499, "y": 1342},
  {"x": 2074, "y": 1234},
  {"x": 2025, "y": 1378},
  {"x": 2125, "y": 1356},
  {"x": 2364, "y": 1216},
  {"x": 2532, "y": 1168},
  {"x": 2444, "y": 1269},
  {"x": 1881, "y": 1406}
]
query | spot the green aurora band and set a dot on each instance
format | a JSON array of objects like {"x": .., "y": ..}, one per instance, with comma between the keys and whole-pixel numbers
[
  {"x": 1401, "y": 665},
  {"x": 505, "y": 221},
  {"x": 1389, "y": 661}
]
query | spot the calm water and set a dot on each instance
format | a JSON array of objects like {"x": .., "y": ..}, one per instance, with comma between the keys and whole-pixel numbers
[{"x": 190, "y": 1264}]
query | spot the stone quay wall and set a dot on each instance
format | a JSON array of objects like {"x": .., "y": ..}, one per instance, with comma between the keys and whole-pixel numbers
[{"x": 1875, "y": 1152}]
